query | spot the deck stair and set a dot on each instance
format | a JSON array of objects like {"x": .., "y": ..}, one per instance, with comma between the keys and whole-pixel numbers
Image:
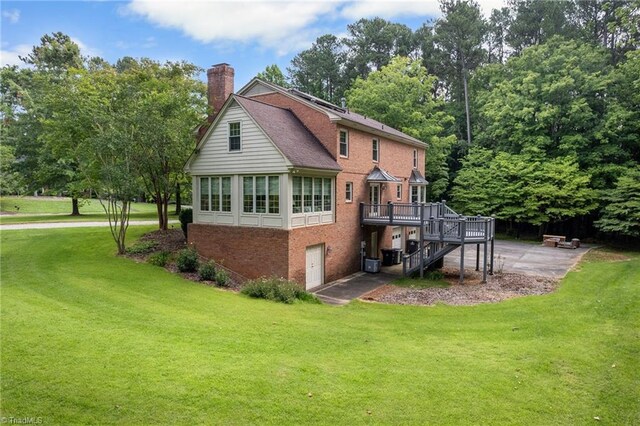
[{"x": 442, "y": 230}]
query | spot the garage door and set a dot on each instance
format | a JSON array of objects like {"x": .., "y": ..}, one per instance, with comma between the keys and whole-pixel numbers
[
  {"x": 396, "y": 238},
  {"x": 315, "y": 264}
]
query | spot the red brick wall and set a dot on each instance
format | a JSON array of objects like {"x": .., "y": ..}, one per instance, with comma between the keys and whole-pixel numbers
[
  {"x": 219, "y": 87},
  {"x": 252, "y": 252},
  {"x": 395, "y": 158},
  {"x": 341, "y": 250},
  {"x": 317, "y": 122}
]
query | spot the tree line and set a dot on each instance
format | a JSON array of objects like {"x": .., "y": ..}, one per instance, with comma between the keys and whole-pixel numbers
[
  {"x": 74, "y": 124},
  {"x": 531, "y": 114}
]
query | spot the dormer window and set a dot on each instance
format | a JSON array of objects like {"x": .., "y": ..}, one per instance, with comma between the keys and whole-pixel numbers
[
  {"x": 344, "y": 143},
  {"x": 235, "y": 142}
]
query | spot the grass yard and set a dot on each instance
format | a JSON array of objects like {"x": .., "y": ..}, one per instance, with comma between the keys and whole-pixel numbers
[
  {"x": 58, "y": 209},
  {"x": 88, "y": 337}
]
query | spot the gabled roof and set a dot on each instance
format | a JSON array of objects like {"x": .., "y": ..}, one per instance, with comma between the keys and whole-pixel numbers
[
  {"x": 417, "y": 178},
  {"x": 338, "y": 114},
  {"x": 289, "y": 135},
  {"x": 381, "y": 175}
]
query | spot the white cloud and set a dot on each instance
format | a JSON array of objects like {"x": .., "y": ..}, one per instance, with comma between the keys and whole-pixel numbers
[
  {"x": 10, "y": 56},
  {"x": 388, "y": 9},
  {"x": 282, "y": 25},
  {"x": 271, "y": 24},
  {"x": 12, "y": 15}
]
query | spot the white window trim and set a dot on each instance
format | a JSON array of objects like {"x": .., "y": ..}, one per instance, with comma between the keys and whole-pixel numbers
[
  {"x": 375, "y": 141},
  {"x": 229, "y": 136},
  {"x": 415, "y": 158},
  {"x": 255, "y": 195},
  {"x": 346, "y": 132},
  {"x": 350, "y": 198},
  {"x": 399, "y": 191},
  {"x": 313, "y": 211}
]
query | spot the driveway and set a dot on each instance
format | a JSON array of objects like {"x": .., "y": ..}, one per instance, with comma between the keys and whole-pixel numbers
[
  {"x": 510, "y": 256},
  {"x": 53, "y": 225},
  {"x": 522, "y": 258}
]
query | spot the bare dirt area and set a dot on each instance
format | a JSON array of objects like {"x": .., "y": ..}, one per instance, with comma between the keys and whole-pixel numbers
[
  {"x": 472, "y": 292},
  {"x": 170, "y": 240},
  {"x": 604, "y": 255}
]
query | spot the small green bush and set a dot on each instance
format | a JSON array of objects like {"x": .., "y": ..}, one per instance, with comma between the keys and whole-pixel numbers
[
  {"x": 186, "y": 217},
  {"x": 160, "y": 258},
  {"x": 187, "y": 260},
  {"x": 222, "y": 278},
  {"x": 435, "y": 275},
  {"x": 142, "y": 247},
  {"x": 207, "y": 271},
  {"x": 278, "y": 290}
]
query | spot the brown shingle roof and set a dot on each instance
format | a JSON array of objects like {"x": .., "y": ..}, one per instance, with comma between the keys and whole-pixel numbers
[{"x": 288, "y": 133}]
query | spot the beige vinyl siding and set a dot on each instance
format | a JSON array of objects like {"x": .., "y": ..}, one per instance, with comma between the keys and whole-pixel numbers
[
  {"x": 258, "y": 89},
  {"x": 257, "y": 155}
]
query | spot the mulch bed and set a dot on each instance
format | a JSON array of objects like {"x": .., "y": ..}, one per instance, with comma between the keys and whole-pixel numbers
[
  {"x": 173, "y": 241},
  {"x": 472, "y": 292}
]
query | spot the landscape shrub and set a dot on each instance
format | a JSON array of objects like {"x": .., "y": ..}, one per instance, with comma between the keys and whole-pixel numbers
[
  {"x": 207, "y": 271},
  {"x": 222, "y": 278},
  {"x": 435, "y": 275},
  {"x": 186, "y": 217},
  {"x": 278, "y": 290},
  {"x": 142, "y": 247},
  {"x": 187, "y": 260},
  {"x": 160, "y": 258}
]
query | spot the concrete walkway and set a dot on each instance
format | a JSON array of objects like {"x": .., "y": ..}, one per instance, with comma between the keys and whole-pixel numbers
[
  {"x": 346, "y": 289},
  {"x": 54, "y": 225}
]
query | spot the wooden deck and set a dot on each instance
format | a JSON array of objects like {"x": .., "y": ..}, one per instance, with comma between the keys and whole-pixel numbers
[{"x": 442, "y": 230}]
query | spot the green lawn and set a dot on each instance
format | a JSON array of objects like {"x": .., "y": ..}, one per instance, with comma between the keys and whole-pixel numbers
[
  {"x": 58, "y": 209},
  {"x": 88, "y": 337}
]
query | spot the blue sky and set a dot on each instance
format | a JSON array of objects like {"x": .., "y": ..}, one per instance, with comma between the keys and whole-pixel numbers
[{"x": 249, "y": 35}]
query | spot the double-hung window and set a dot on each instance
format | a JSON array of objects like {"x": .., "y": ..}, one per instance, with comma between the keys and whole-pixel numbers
[
  {"x": 261, "y": 194},
  {"x": 399, "y": 191},
  {"x": 348, "y": 195},
  {"x": 311, "y": 195},
  {"x": 375, "y": 146},
  {"x": 415, "y": 158},
  {"x": 205, "y": 202},
  {"x": 235, "y": 142},
  {"x": 344, "y": 143},
  {"x": 215, "y": 194}
]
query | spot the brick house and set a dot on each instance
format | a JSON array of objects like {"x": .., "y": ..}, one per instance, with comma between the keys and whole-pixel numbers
[{"x": 279, "y": 176}]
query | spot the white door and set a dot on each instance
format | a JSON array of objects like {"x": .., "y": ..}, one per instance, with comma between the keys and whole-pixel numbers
[
  {"x": 396, "y": 238},
  {"x": 374, "y": 198},
  {"x": 315, "y": 264}
]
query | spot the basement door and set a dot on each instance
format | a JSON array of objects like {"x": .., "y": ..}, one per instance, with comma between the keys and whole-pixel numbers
[
  {"x": 315, "y": 266},
  {"x": 396, "y": 238}
]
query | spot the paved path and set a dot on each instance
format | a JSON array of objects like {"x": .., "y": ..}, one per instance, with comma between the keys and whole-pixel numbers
[
  {"x": 54, "y": 225},
  {"x": 346, "y": 289}
]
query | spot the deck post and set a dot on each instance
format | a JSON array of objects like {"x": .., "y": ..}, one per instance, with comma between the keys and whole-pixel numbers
[
  {"x": 493, "y": 237},
  {"x": 421, "y": 240},
  {"x": 390, "y": 208},
  {"x": 478, "y": 246},
  {"x": 463, "y": 232},
  {"x": 361, "y": 213},
  {"x": 484, "y": 264}
]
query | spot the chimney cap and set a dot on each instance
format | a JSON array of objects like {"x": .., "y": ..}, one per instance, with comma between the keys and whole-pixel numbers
[{"x": 220, "y": 65}]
